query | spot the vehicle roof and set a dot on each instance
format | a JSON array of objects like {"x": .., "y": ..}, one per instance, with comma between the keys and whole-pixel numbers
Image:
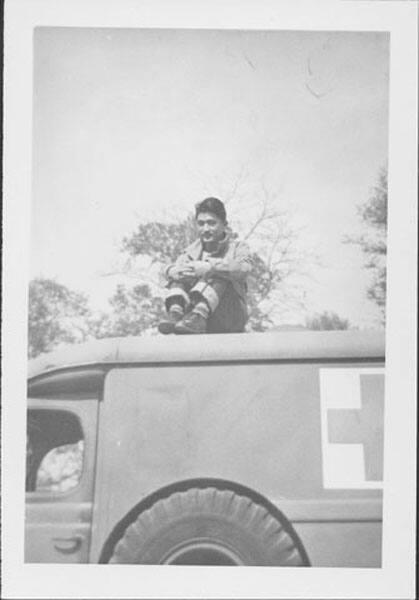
[{"x": 286, "y": 346}]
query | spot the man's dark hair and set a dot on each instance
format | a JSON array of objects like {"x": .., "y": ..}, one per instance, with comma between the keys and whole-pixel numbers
[{"x": 212, "y": 205}]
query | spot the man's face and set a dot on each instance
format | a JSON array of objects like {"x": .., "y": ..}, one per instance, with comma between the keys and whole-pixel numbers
[{"x": 210, "y": 227}]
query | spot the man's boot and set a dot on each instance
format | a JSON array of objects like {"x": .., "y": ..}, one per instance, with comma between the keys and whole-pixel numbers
[
  {"x": 192, "y": 323},
  {"x": 168, "y": 324}
]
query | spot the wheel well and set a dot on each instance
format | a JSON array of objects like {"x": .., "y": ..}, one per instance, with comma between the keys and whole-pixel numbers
[{"x": 181, "y": 486}]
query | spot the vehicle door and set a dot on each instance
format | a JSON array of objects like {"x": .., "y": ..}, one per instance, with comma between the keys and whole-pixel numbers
[{"x": 60, "y": 459}]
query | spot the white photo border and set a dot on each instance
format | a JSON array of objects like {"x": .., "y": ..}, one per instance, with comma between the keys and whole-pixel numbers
[{"x": 396, "y": 577}]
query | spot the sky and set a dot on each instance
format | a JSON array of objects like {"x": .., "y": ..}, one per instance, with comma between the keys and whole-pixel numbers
[{"x": 133, "y": 124}]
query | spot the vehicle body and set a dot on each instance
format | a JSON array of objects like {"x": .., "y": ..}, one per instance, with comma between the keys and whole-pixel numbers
[{"x": 292, "y": 421}]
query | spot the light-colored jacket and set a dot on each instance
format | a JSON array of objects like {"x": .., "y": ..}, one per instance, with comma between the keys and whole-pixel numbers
[{"x": 232, "y": 261}]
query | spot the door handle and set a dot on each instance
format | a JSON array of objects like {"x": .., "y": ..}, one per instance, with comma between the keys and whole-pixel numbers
[{"x": 68, "y": 545}]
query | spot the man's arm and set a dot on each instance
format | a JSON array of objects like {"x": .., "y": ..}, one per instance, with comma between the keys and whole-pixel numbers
[
  {"x": 234, "y": 268},
  {"x": 177, "y": 270}
]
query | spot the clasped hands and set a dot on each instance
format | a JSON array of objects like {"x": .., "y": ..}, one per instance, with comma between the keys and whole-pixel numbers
[{"x": 190, "y": 270}]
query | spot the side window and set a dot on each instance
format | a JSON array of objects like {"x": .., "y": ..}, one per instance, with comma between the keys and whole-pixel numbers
[{"x": 54, "y": 451}]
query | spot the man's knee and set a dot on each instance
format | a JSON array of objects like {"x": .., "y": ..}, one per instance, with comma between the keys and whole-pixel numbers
[
  {"x": 177, "y": 294},
  {"x": 210, "y": 291},
  {"x": 231, "y": 314}
]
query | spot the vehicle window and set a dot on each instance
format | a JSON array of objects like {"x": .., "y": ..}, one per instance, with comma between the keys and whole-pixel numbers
[{"x": 54, "y": 451}]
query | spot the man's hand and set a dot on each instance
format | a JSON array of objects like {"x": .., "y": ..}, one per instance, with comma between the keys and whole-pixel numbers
[
  {"x": 192, "y": 270},
  {"x": 200, "y": 268},
  {"x": 179, "y": 272}
]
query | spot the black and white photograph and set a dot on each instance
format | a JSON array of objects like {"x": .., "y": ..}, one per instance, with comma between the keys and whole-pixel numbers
[{"x": 215, "y": 299}]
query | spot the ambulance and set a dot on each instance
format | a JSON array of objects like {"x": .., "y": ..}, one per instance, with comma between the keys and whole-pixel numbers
[{"x": 231, "y": 449}]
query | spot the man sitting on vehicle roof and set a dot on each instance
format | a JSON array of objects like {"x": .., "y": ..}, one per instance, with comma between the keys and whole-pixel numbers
[{"x": 207, "y": 284}]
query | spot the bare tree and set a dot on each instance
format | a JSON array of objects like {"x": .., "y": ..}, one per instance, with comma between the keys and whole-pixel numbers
[{"x": 277, "y": 256}]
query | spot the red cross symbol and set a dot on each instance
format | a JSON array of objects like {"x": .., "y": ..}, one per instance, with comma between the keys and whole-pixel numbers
[{"x": 363, "y": 426}]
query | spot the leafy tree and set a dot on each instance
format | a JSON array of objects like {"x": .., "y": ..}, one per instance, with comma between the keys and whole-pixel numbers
[
  {"x": 56, "y": 315},
  {"x": 163, "y": 242},
  {"x": 134, "y": 310},
  {"x": 326, "y": 321},
  {"x": 373, "y": 241}
]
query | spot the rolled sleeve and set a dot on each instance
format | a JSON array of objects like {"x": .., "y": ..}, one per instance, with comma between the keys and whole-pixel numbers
[{"x": 236, "y": 267}]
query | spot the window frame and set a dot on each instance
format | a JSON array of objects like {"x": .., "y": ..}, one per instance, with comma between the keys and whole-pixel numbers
[{"x": 85, "y": 411}]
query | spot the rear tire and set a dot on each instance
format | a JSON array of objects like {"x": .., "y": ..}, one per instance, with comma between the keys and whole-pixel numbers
[{"x": 208, "y": 526}]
